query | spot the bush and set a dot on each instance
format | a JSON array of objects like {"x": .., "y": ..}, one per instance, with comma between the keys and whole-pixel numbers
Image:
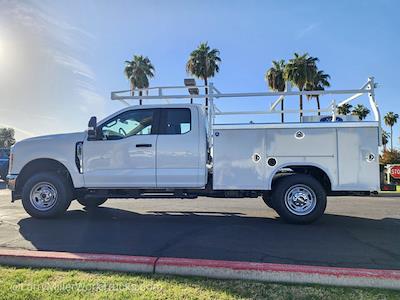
[{"x": 390, "y": 157}]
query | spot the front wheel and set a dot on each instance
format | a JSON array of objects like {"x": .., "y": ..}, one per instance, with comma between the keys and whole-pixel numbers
[
  {"x": 299, "y": 199},
  {"x": 46, "y": 195}
]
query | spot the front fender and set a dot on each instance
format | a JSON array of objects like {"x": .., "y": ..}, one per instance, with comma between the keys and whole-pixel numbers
[{"x": 60, "y": 148}]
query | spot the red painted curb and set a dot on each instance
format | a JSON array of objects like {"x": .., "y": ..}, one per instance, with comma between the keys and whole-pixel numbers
[
  {"x": 269, "y": 267},
  {"x": 203, "y": 263},
  {"x": 104, "y": 258}
]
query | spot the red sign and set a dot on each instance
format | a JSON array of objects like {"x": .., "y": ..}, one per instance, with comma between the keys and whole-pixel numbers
[{"x": 395, "y": 172}]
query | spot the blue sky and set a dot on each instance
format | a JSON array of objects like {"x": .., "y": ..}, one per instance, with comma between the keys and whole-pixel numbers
[{"x": 60, "y": 59}]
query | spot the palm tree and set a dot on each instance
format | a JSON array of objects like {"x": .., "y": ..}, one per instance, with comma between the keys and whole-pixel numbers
[
  {"x": 361, "y": 111},
  {"x": 385, "y": 139},
  {"x": 318, "y": 83},
  {"x": 276, "y": 80},
  {"x": 203, "y": 63},
  {"x": 344, "y": 109},
  {"x": 138, "y": 71},
  {"x": 391, "y": 119},
  {"x": 300, "y": 70}
]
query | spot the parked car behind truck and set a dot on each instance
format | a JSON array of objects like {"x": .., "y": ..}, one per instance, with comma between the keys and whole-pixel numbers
[
  {"x": 4, "y": 158},
  {"x": 177, "y": 150}
]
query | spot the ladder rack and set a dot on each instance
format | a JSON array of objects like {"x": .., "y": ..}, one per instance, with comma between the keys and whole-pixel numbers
[{"x": 168, "y": 93}]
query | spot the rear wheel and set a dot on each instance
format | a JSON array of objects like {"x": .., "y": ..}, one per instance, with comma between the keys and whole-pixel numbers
[
  {"x": 46, "y": 195},
  {"x": 299, "y": 199},
  {"x": 268, "y": 200},
  {"x": 91, "y": 202}
]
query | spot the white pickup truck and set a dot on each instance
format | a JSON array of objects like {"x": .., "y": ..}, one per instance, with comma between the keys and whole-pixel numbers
[{"x": 180, "y": 151}]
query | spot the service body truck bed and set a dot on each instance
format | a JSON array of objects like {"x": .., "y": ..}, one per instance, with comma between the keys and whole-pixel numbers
[{"x": 248, "y": 156}]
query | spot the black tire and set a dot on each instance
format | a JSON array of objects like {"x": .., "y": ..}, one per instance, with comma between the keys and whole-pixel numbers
[
  {"x": 268, "y": 200},
  {"x": 290, "y": 210},
  {"x": 55, "y": 181},
  {"x": 91, "y": 202},
  {"x": 268, "y": 196}
]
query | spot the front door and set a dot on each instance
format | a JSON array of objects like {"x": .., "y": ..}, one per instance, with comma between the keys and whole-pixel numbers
[{"x": 124, "y": 156}]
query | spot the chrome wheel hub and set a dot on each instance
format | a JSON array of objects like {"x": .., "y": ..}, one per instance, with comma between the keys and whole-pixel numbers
[
  {"x": 300, "y": 199},
  {"x": 43, "y": 196}
]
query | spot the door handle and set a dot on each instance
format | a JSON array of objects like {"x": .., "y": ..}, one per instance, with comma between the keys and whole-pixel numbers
[{"x": 143, "y": 145}]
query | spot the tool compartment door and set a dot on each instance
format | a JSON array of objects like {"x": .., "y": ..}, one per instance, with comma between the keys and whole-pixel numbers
[{"x": 235, "y": 164}]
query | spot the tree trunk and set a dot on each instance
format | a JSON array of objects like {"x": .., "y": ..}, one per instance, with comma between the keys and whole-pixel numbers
[
  {"x": 140, "y": 100},
  {"x": 301, "y": 106},
  {"x": 391, "y": 138},
  {"x": 206, "y": 89},
  {"x": 318, "y": 106},
  {"x": 282, "y": 113},
  {"x": 132, "y": 88}
]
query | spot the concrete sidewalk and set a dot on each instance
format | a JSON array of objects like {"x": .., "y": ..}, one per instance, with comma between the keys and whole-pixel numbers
[{"x": 208, "y": 268}]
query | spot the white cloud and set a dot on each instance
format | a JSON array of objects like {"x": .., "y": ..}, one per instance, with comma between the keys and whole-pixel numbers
[
  {"x": 305, "y": 31},
  {"x": 49, "y": 78},
  {"x": 25, "y": 133},
  {"x": 75, "y": 65},
  {"x": 31, "y": 15}
]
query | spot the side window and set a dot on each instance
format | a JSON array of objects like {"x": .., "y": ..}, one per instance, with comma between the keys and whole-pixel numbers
[
  {"x": 176, "y": 121},
  {"x": 134, "y": 122}
]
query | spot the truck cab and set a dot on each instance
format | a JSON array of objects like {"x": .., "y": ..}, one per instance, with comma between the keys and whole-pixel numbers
[{"x": 147, "y": 147}]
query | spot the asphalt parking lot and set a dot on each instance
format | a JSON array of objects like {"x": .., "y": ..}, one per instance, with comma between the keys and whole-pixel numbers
[{"x": 355, "y": 231}]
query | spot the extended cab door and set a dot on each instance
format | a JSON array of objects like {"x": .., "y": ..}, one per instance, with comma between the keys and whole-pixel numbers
[
  {"x": 181, "y": 148},
  {"x": 124, "y": 156}
]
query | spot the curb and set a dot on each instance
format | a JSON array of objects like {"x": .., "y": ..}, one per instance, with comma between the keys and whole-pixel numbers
[
  {"x": 284, "y": 273},
  {"x": 280, "y": 272},
  {"x": 83, "y": 261}
]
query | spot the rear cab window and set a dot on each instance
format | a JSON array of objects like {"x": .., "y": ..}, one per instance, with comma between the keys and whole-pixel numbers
[{"x": 176, "y": 121}]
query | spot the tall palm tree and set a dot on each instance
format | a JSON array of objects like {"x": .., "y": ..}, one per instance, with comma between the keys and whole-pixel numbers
[
  {"x": 385, "y": 139},
  {"x": 276, "y": 80},
  {"x": 361, "y": 111},
  {"x": 318, "y": 83},
  {"x": 344, "y": 109},
  {"x": 300, "y": 70},
  {"x": 138, "y": 71},
  {"x": 390, "y": 119},
  {"x": 203, "y": 63}
]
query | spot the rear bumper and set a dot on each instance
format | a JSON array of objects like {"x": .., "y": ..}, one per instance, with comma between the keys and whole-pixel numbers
[{"x": 11, "y": 182}]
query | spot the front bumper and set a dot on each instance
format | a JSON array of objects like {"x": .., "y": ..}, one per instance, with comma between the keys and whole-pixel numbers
[{"x": 11, "y": 182}]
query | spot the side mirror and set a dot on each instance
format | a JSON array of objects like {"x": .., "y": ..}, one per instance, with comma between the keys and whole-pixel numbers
[{"x": 92, "y": 129}]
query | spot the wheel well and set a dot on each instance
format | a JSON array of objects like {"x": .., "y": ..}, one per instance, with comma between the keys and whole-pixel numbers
[
  {"x": 315, "y": 172},
  {"x": 41, "y": 165}
]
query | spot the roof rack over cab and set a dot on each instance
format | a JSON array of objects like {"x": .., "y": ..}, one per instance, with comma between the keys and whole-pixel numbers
[{"x": 190, "y": 91}]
